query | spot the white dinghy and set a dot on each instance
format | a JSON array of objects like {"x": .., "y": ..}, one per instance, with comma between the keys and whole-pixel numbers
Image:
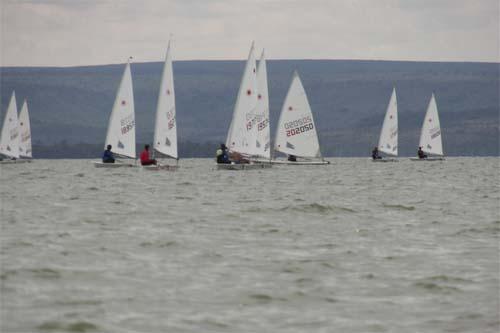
[
  {"x": 296, "y": 132},
  {"x": 9, "y": 139},
  {"x": 388, "y": 140},
  {"x": 165, "y": 137},
  {"x": 25, "y": 152},
  {"x": 242, "y": 135},
  {"x": 121, "y": 126},
  {"x": 430, "y": 136}
]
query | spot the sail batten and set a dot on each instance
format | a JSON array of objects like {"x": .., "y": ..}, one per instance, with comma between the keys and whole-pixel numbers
[
  {"x": 430, "y": 136},
  {"x": 9, "y": 138},
  {"x": 165, "y": 135},
  {"x": 388, "y": 141},
  {"x": 121, "y": 127},
  {"x": 296, "y": 132}
]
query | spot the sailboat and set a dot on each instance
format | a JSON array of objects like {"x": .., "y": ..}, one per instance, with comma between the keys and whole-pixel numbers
[
  {"x": 296, "y": 132},
  {"x": 9, "y": 138},
  {"x": 121, "y": 126},
  {"x": 430, "y": 136},
  {"x": 262, "y": 147},
  {"x": 165, "y": 137},
  {"x": 388, "y": 140},
  {"x": 25, "y": 133},
  {"x": 242, "y": 133}
]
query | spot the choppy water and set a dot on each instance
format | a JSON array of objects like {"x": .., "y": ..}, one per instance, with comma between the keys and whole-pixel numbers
[{"x": 354, "y": 246}]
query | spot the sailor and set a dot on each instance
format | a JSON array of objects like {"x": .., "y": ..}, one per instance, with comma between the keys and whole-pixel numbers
[
  {"x": 145, "y": 160},
  {"x": 421, "y": 153},
  {"x": 292, "y": 158},
  {"x": 107, "y": 156},
  {"x": 375, "y": 154},
  {"x": 222, "y": 155}
]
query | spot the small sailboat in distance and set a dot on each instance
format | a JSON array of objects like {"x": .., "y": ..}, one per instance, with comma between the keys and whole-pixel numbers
[
  {"x": 9, "y": 139},
  {"x": 25, "y": 133},
  {"x": 242, "y": 133},
  {"x": 296, "y": 132},
  {"x": 121, "y": 126},
  {"x": 430, "y": 136},
  {"x": 165, "y": 136},
  {"x": 388, "y": 140}
]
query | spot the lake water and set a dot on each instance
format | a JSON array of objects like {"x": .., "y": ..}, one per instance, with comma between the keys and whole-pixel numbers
[{"x": 354, "y": 246}]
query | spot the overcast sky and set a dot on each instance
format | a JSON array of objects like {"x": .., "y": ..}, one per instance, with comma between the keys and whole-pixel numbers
[{"x": 88, "y": 32}]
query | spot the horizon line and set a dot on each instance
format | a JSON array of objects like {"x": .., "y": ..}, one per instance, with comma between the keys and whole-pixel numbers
[{"x": 273, "y": 59}]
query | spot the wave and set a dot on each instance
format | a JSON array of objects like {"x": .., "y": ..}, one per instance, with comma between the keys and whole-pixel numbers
[
  {"x": 434, "y": 287},
  {"x": 317, "y": 208},
  {"x": 398, "y": 207},
  {"x": 80, "y": 326}
]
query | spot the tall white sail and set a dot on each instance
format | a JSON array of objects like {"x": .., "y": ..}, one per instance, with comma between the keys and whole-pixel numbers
[
  {"x": 430, "y": 137},
  {"x": 121, "y": 127},
  {"x": 388, "y": 141},
  {"x": 165, "y": 137},
  {"x": 296, "y": 132},
  {"x": 25, "y": 132},
  {"x": 9, "y": 139},
  {"x": 263, "y": 140},
  {"x": 243, "y": 129}
]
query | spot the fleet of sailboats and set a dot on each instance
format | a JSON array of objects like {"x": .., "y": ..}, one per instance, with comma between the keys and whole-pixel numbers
[
  {"x": 15, "y": 138},
  {"x": 248, "y": 136}
]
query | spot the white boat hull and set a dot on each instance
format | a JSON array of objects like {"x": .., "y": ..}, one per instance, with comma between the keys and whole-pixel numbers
[
  {"x": 114, "y": 165},
  {"x": 383, "y": 160},
  {"x": 159, "y": 167},
  {"x": 286, "y": 162},
  {"x": 253, "y": 166},
  {"x": 428, "y": 159},
  {"x": 15, "y": 161}
]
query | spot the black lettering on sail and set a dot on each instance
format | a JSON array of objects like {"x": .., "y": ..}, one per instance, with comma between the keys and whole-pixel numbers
[
  {"x": 167, "y": 142},
  {"x": 289, "y": 145}
]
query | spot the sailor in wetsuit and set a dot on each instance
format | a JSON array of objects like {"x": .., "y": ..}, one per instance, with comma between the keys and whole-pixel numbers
[
  {"x": 107, "y": 156},
  {"x": 375, "y": 154},
  {"x": 292, "y": 158},
  {"x": 222, "y": 155},
  {"x": 421, "y": 153}
]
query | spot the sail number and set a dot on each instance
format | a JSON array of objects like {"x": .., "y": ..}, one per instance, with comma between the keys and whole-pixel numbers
[
  {"x": 127, "y": 124},
  {"x": 299, "y": 126}
]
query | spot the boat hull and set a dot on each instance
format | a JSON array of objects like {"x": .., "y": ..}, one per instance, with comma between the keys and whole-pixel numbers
[
  {"x": 285, "y": 162},
  {"x": 253, "y": 166},
  {"x": 385, "y": 160},
  {"x": 18, "y": 161},
  {"x": 113, "y": 165},
  {"x": 428, "y": 159},
  {"x": 164, "y": 167}
]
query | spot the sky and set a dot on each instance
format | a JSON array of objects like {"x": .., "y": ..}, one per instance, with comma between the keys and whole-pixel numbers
[{"x": 91, "y": 32}]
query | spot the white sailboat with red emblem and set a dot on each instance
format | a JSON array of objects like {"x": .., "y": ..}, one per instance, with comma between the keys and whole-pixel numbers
[
  {"x": 25, "y": 133},
  {"x": 9, "y": 138},
  {"x": 165, "y": 137},
  {"x": 430, "y": 136},
  {"x": 388, "y": 140},
  {"x": 296, "y": 134},
  {"x": 242, "y": 135},
  {"x": 121, "y": 126}
]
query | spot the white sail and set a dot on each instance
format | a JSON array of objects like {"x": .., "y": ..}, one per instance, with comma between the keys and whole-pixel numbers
[
  {"x": 243, "y": 129},
  {"x": 9, "y": 139},
  {"x": 165, "y": 137},
  {"x": 121, "y": 127},
  {"x": 296, "y": 132},
  {"x": 263, "y": 140},
  {"x": 388, "y": 141},
  {"x": 430, "y": 137},
  {"x": 25, "y": 132}
]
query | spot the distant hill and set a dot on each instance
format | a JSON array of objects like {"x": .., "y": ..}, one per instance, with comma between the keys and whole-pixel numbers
[{"x": 71, "y": 106}]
